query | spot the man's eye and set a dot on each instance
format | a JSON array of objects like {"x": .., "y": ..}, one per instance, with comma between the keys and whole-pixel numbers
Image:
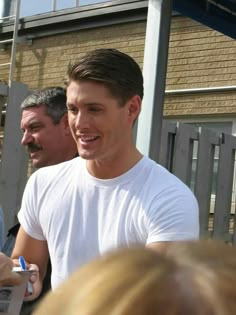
[
  {"x": 95, "y": 109},
  {"x": 34, "y": 128},
  {"x": 72, "y": 110}
]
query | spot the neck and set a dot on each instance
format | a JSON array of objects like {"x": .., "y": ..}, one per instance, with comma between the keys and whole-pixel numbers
[
  {"x": 70, "y": 150},
  {"x": 107, "y": 169}
]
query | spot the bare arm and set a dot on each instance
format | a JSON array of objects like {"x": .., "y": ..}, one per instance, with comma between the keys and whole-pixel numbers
[{"x": 34, "y": 252}]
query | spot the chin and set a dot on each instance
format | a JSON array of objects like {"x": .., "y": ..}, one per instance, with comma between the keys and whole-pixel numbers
[
  {"x": 87, "y": 155},
  {"x": 38, "y": 163}
]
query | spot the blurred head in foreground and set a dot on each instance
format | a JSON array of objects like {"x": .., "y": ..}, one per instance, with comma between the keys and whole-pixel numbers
[{"x": 191, "y": 278}]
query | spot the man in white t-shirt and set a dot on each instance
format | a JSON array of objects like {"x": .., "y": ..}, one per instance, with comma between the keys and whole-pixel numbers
[{"x": 111, "y": 195}]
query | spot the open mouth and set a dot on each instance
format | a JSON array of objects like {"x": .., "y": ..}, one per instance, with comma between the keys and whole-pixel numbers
[
  {"x": 32, "y": 148},
  {"x": 34, "y": 152},
  {"x": 87, "y": 139}
]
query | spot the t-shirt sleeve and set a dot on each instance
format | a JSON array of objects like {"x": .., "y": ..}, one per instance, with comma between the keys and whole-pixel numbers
[
  {"x": 173, "y": 216},
  {"x": 29, "y": 213}
]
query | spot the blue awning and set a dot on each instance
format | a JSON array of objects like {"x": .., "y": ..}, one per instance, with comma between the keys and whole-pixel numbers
[{"x": 217, "y": 14}]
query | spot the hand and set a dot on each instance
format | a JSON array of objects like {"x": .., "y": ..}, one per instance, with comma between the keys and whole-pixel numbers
[
  {"x": 35, "y": 281},
  {"x": 7, "y": 277}
]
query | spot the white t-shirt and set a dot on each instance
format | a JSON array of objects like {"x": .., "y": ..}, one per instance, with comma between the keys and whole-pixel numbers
[{"x": 82, "y": 217}]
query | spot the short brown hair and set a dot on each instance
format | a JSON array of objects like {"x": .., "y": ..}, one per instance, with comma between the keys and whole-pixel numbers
[{"x": 116, "y": 70}]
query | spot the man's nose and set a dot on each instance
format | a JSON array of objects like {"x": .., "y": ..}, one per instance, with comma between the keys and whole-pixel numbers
[
  {"x": 81, "y": 121},
  {"x": 27, "y": 138}
]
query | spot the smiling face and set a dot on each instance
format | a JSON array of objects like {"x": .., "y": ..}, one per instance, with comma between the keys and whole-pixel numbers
[
  {"x": 43, "y": 139},
  {"x": 101, "y": 127}
]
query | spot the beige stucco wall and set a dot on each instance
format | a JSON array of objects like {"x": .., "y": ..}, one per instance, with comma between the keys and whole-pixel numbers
[{"x": 198, "y": 57}]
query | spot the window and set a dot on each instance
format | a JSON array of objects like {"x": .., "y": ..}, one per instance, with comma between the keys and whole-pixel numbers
[
  {"x": 64, "y": 4},
  {"x": 29, "y": 7},
  {"x": 32, "y": 7},
  {"x": 87, "y": 2}
]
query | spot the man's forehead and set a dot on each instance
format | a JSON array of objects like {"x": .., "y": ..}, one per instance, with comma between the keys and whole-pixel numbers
[
  {"x": 34, "y": 110},
  {"x": 87, "y": 90},
  {"x": 35, "y": 106},
  {"x": 33, "y": 114}
]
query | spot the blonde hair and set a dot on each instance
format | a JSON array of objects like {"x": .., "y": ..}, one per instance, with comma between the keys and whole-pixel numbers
[{"x": 191, "y": 278}]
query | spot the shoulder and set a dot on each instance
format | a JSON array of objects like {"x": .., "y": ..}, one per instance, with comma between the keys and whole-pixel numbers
[
  {"x": 173, "y": 208},
  {"x": 166, "y": 188},
  {"x": 161, "y": 177}
]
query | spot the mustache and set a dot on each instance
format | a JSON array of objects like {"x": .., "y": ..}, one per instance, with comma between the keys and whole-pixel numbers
[{"x": 32, "y": 147}]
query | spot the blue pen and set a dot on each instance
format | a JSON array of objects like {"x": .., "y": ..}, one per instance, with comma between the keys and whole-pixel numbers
[
  {"x": 23, "y": 267},
  {"x": 22, "y": 263}
]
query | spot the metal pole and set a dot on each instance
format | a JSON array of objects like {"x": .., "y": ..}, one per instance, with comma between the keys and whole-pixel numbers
[
  {"x": 54, "y": 5},
  {"x": 14, "y": 43},
  {"x": 154, "y": 71}
]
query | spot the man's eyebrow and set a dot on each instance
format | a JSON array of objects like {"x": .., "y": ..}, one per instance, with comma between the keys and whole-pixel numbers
[
  {"x": 94, "y": 103},
  {"x": 34, "y": 123},
  {"x": 86, "y": 104}
]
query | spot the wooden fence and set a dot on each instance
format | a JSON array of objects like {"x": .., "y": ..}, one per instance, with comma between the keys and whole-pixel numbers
[{"x": 217, "y": 213}]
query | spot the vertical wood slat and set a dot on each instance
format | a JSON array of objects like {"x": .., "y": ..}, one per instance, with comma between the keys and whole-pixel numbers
[
  {"x": 183, "y": 152},
  {"x": 2, "y": 101},
  {"x": 167, "y": 144},
  {"x": 3, "y": 89},
  {"x": 234, "y": 222},
  {"x": 224, "y": 188},
  {"x": 3, "y": 94},
  {"x": 14, "y": 162},
  {"x": 203, "y": 186}
]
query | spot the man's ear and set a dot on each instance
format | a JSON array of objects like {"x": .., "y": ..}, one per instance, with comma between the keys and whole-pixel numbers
[{"x": 134, "y": 107}]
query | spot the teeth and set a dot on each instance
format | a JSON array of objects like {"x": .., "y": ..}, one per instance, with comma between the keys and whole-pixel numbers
[{"x": 87, "y": 138}]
